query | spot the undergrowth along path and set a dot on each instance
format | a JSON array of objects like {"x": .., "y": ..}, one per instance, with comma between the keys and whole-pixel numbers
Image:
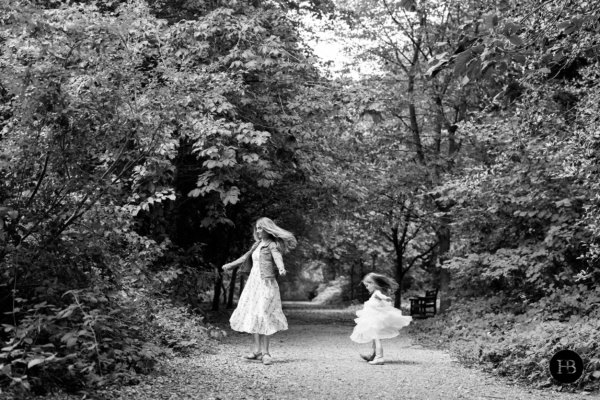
[{"x": 315, "y": 359}]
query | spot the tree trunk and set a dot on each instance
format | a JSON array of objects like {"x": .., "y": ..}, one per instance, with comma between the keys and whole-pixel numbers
[
  {"x": 412, "y": 111},
  {"x": 414, "y": 126},
  {"x": 224, "y": 293},
  {"x": 399, "y": 278},
  {"x": 219, "y": 282},
  {"x": 232, "y": 289},
  {"x": 398, "y": 299},
  {"x": 241, "y": 284},
  {"x": 362, "y": 288},
  {"x": 217, "y": 294},
  {"x": 443, "y": 235},
  {"x": 399, "y": 273},
  {"x": 351, "y": 281}
]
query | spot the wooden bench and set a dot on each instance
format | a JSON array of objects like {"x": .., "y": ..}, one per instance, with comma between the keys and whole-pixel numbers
[{"x": 426, "y": 306}]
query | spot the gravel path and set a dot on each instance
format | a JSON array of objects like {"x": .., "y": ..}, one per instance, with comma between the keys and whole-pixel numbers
[{"x": 315, "y": 359}]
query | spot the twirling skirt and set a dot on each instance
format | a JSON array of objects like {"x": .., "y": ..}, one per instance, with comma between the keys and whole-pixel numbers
[
  {"x": 378, "y": 322},
  {"x": 259, "y": 307}
]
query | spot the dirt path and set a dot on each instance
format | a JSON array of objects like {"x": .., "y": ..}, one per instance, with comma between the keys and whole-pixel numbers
[{"x": 315, "y": 359}]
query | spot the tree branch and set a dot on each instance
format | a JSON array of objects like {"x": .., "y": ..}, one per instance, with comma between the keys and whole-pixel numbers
[
  {"x": 40, "y": 179},
  {"x": 422, "y": 255}
]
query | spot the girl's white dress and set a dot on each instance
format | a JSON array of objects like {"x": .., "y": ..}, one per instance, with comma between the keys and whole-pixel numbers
[
  {"x": 259, "y": 307},
  {"x": 378, "y": 320}
]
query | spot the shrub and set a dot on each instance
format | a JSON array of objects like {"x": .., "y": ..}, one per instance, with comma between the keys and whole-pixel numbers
[{"x": 517, "y": 346}]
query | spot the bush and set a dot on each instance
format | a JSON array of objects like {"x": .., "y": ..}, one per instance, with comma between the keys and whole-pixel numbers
[
  {"x": 95, "y": 340},
  {"x": 516, "y": 346},
  {"x": 86, "y": 342}
]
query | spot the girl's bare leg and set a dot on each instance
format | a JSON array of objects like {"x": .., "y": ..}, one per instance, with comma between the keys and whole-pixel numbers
[
  {"x": 371, "y": 355},
  {"x": 378, "y": 360}
]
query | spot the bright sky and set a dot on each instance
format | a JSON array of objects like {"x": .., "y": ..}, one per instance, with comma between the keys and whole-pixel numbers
[
  {"x": 326, "y": 46},
  {"x": 329, "y": 47}
]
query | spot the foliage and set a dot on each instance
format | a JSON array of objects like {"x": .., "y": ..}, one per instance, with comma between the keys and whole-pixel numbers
[
  {"x": 489, "y": 334},
  {"x": 524, "y": 265},
  {"x": 118, "y": 130},
  {"x": 485, "y": 116}
]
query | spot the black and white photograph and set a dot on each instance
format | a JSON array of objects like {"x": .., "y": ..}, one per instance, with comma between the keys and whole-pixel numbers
[{"x": 299, "y": 199}]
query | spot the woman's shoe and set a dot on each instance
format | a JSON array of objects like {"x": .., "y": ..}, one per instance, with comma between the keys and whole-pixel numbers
[
  {"x": 254, "y": 356},
  {"x": 267, "y": 359},
  {"x": 367, "y": 357}
]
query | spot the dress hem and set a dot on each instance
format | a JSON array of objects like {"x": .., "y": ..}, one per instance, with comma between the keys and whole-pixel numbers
[{"x": 260, "y": 333}]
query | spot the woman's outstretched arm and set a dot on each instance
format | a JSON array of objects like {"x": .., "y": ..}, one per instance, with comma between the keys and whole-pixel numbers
[{"x": 237, "y": 262}]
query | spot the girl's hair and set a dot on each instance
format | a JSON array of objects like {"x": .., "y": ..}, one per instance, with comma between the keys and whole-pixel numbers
[
  {"x": 385, "y": 283},
  {"x": 285, "y": 240}
]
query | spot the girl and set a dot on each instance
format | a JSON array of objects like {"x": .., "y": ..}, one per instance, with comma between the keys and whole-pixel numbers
[
  {"x": 379, "y": 319},
  {"x": 259, "y": 308}
]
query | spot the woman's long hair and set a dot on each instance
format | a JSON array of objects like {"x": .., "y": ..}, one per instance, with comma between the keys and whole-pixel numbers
[
  {"x": 385, "y": 283},
  {"x": 285, "y": 240}
]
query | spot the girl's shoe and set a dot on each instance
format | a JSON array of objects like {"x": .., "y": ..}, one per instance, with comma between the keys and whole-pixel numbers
[
  {"x": 254, "y": 356},
  {"x": 367, "y": 357},
  {"x": 266, "y": 359},
  {"x": 377, "y": 361}
]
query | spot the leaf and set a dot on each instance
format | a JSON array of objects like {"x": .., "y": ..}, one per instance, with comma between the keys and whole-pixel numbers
[
  {"x": 71, "y": 342},
  {"x": 265, "y": 182},
  {"x": 231, "y": 197},
  {"x": 67, "y": 336},
  {"x": 35, "y": 362},
  {"x": 375, "y": 116},
  {"x": 510, "y": 28},
  {"x": 408, "y": 5},
  {"x": 195, "y": 193},
  {"x": 436, "y": 68},
  {"x": 490, "y": 20},
  {"x": 10, "y": 348},
  {"x": 461, "y": 61},
  {"x": 519, "y": 58},
  {"x": 516, "y": 40},
  {"x": 564, "y": 25}
]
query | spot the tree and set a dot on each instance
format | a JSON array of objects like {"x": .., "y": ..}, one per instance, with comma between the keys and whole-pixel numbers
[
  {"x": 113, "y": 122},
  {"x": 410, "y": 44}
]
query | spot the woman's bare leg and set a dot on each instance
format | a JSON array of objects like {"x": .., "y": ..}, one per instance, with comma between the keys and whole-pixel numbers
[
  {"x": 256, "y": 342},
  {"x": 266, "y": 339},
  {"x": 267, "y": 360}
]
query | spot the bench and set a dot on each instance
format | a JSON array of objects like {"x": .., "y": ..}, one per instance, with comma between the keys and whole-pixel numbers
[{"x": 426, "y": 306}]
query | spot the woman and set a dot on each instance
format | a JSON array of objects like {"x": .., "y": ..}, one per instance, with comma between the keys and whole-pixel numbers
[{"x": 259, "y": 308}]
